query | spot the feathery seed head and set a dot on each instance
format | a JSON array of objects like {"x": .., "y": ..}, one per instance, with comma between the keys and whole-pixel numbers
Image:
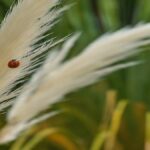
[
  {"x": 22, "y": 28},
  {"x": 56, "y": 78}
]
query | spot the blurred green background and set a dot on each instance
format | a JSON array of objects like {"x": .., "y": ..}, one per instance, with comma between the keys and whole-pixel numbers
[{"x": 110, "y": 115}]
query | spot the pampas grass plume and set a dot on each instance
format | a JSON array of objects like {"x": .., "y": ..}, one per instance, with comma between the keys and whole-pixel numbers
[{"x": 58, "y": 77}]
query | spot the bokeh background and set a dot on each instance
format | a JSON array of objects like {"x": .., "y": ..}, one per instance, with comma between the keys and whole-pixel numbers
[{"x": 110, "y": 115}]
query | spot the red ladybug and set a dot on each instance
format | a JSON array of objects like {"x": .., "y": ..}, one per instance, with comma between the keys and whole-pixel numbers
[{"x": 13, "y": 63}]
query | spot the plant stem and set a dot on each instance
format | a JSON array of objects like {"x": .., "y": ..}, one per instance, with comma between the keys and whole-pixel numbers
[{"x": 97, "y": 15}]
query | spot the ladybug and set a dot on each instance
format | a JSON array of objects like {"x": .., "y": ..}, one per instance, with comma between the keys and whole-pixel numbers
[{"x": 13, "y": 63}]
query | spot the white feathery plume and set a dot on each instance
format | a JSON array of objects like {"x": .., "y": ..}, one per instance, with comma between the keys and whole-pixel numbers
[
  {"x": 20, "y": 127},
  {"x": 23, "y": 27},
  {"x": 58, "y": 77}
]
